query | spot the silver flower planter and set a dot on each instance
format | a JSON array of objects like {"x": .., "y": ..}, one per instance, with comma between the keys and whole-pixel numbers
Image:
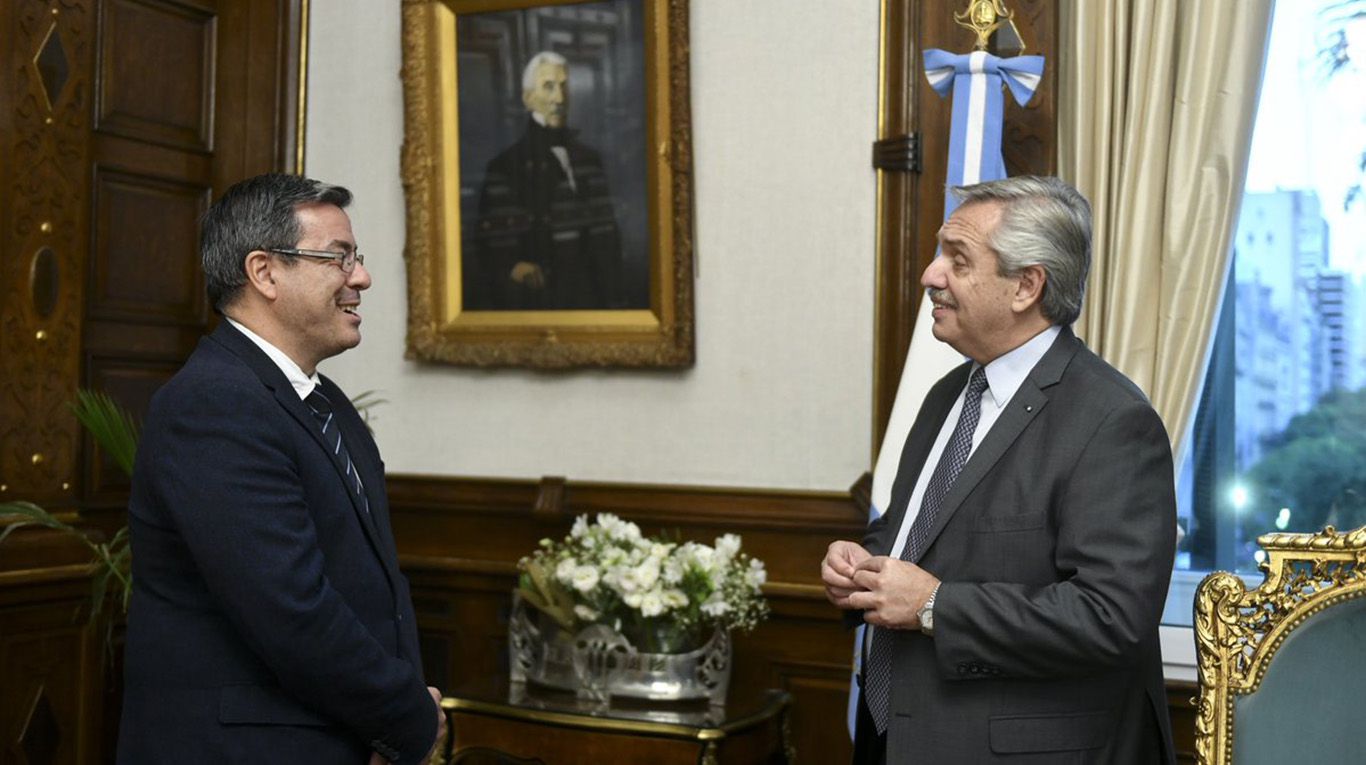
[{"x": 598, "y": 663}]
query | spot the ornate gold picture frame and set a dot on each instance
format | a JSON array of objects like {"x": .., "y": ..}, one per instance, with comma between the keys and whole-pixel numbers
[{"x": 547, "y": 168}]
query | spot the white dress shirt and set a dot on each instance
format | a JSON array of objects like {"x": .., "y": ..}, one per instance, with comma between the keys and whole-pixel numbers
[
  {"x": 303, "y": 384},
  {"x": 1004, "y": 375}
]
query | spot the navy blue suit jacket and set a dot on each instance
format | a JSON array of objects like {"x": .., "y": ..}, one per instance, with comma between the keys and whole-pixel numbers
[{"x": 269, "y": 620}]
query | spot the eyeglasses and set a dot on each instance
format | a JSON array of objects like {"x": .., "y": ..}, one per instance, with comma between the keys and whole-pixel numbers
[{"x": 347, "y": 260}]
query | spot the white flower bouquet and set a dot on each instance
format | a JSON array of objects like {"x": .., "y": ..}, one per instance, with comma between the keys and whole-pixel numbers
[{"x": 662, "y": 595}]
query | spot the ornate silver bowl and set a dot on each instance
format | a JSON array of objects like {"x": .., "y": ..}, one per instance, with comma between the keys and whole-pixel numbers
[{"x": 597, "y": 662}]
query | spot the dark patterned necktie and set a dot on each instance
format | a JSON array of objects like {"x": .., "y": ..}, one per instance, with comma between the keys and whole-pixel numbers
[
  {"x": 322, "y": 412},
  {"x": 877, "y": 675}
]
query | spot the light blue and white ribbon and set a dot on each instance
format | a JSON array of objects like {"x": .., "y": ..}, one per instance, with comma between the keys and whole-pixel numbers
[{"x": 975, "y": 81}]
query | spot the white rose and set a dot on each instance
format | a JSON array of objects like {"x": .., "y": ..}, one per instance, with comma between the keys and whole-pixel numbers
[
  {"x": 673, "y": 570},
  {"x": 674, "y": 598},
  {"x": 632, "y": 599},
  {"x": 565, "y": 570},
  {"x": 647, "y": 573},
  {"x": 651, "y": 604},
  {"x": 585, "y": 578},
  {"x": 624, "y": 579},
  {"x": 716, "y": 605},
  {"x": 727, "y": 546},
  {"x": 757, "y": 575},
  {"x": 580, "y": 527}
]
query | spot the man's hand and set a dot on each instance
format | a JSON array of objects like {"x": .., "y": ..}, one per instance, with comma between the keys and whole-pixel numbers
[
  {"x": 891, "y": 591},
  {"x": 528, "y": 275},
  {"x": 837, "y": 571},
  {"x": 376, "y": 759},
  {"x": 440, "y": 722}
]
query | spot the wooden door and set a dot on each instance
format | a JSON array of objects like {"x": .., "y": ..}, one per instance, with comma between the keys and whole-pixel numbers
[{"x": 119, "y": 122}]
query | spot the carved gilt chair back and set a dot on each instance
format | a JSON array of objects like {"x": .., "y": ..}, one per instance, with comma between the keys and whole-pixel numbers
[{"x": 1282, "y": 666}]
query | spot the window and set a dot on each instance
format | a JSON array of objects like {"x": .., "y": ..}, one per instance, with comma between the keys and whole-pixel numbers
[{"x": 1278, "y": 441}]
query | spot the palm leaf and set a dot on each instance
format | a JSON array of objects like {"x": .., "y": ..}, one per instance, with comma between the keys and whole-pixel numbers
[
  {"x": 34, "y": 515},
  {"x": 112, "y": 427}
]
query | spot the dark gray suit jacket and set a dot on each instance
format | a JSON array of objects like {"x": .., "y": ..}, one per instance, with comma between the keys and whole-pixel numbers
[
  {"x": 1055, "y": 547},
  {"x": 269, "y": 620}
]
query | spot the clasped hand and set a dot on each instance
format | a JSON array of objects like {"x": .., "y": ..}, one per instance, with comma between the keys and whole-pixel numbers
[{"x": 889, "y": 591}]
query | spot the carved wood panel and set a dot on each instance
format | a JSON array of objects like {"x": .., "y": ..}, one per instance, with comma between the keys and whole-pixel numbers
[{"x": 45, "y": 86}]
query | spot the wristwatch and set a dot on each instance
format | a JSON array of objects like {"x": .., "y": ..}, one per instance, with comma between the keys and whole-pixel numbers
[{"x": 926, "y": 613}]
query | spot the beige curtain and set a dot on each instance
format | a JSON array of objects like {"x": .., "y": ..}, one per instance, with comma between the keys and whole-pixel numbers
[{"x": 1155, "y": 120}]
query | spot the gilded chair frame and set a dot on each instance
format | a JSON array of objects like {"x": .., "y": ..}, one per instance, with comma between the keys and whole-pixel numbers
[{"x": 1237, "y": 631}]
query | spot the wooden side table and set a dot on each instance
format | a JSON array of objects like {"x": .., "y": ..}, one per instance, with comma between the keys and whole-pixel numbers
[{"x": 497, "y": 722}]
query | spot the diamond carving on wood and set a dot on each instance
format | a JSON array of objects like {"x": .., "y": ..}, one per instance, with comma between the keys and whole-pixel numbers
[
  {"x": 53, "y": 68},
  {"x": 41, "y": 733}
]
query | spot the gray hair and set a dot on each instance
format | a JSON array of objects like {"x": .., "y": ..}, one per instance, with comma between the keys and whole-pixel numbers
[
  {"x": 1044, "y": 222},
  {"x": 255, "y": 214},
  {"x": 544, "y": 57}
]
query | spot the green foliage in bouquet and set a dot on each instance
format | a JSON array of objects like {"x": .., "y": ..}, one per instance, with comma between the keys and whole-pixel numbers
[{"x": 662, "y": 595}]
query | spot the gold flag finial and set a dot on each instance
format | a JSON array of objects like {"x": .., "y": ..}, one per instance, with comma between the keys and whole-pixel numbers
[{"x": 984, "y": 17}]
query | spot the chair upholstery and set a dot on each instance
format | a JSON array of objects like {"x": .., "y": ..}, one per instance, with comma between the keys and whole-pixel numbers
[{"x": 1281, "y": 666}]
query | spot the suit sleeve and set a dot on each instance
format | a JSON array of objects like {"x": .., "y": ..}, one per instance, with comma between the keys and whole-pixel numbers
[
  {"x": 1116, "y": 540},
  {"x": 231, "y": 486}
]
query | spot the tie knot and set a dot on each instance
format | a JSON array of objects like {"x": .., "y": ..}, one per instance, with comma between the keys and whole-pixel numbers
[
  {"x": 978, "y": 382},
  {"x": 318, "y": 402}
]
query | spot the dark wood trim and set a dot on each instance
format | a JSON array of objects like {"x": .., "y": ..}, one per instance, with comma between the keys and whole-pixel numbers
[{"x": 435, "y": 517}]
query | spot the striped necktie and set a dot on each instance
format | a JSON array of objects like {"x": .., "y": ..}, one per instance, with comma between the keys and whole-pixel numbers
[
  {"x": 877, "y": 677},
  {"x": 322, "y": 412}
]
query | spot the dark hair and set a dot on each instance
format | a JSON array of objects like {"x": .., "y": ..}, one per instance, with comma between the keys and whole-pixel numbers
[
  {"x": 255, "y": 214},
  {"x": 1044, "y": 222}
]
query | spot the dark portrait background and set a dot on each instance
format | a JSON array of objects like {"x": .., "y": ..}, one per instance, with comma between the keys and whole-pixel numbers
[{"x": 604, "y": 45}]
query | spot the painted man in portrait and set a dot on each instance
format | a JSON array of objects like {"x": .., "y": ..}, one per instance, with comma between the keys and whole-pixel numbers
[{"x": 546, "y": 235}]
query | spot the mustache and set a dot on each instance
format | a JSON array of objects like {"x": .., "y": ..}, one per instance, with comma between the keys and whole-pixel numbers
[{"x": 941, "y": 297}]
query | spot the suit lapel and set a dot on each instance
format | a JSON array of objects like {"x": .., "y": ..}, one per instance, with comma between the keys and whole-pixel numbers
[
  {"x": 1021, "y": 410},
  {"x": 361, "y": 446},
  {"x": 919, "y": 441},
  {"x": 288, "y": 399}
]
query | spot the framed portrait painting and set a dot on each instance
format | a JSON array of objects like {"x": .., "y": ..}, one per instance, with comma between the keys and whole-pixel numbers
[{"x": 547, "y": 167}]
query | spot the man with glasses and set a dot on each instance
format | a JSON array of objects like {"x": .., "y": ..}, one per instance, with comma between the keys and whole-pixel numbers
[{"x": 269, "y": 620}]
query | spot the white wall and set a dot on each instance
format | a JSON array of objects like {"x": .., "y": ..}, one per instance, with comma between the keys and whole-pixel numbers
[{"x": 784, "y": 96}]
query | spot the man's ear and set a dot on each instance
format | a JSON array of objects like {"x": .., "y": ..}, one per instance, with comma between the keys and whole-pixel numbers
[
  {"x": 260, "y": 268},
  {"x": 1029, "y": 289}
]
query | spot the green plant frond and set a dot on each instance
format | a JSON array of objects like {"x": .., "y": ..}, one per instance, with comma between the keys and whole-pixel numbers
[
  {"x": 33, "y": 516},
  {"x": 112, "y": 427},
  {"x": 13, "y": 527},
  {"x": 99, "y": 587}
]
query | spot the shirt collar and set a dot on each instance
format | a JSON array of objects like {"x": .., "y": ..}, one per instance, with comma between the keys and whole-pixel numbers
[
  {"x": 303, "y": 384},
  {"x": 1007, "y": 372}
]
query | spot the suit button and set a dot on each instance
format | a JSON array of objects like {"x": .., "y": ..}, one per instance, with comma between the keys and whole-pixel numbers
[
  {"x": 398, "y": 616},
  {"x": 962, "y": 669}
]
